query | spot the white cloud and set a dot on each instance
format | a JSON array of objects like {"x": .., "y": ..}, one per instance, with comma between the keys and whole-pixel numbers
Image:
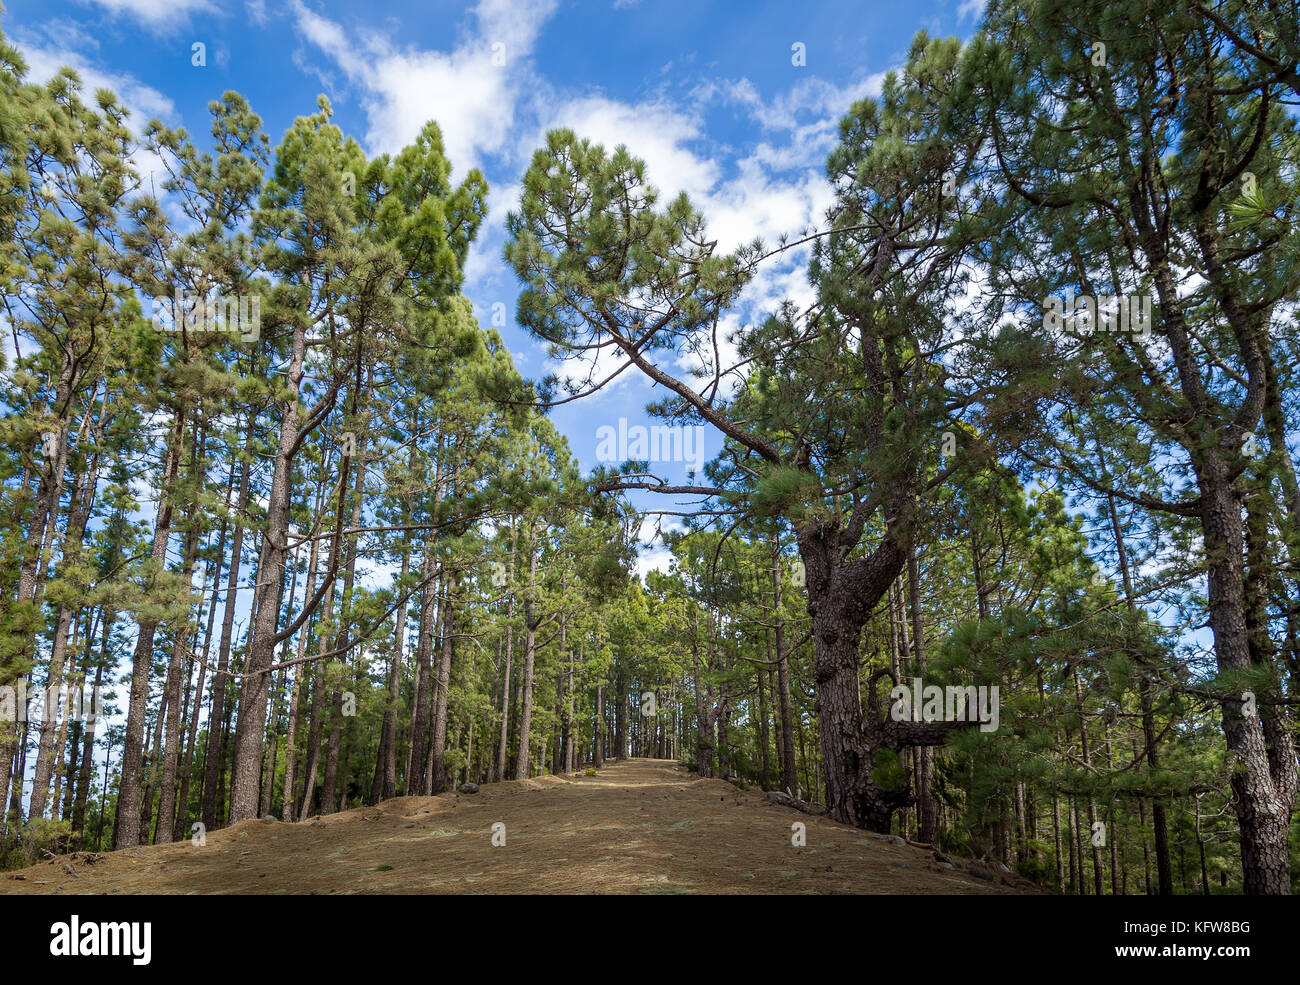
[
  {"x": 655, "y": 132},
  {"x": 757, "y": 201},
  {"x": 757, "y": 204},
  {"x": 824, "y": 101},
  {"x": 653, "y": 559},
  {"x": 471, "y": 91},
  {"x": 770, "y": 188},
  {"x": 971, "y": 9},
  {"x": 773, "y": 192},
  {"x": 144, "y": 102},
  {"x": 652, "y": 555},
  {"x": 161, "y": 15}
]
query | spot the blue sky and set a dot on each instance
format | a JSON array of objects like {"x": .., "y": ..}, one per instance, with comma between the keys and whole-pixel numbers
[{"x": 707, "y": 93}]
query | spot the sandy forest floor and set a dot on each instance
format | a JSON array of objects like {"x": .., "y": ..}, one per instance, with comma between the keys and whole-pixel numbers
[{"x": 638, "y": 826}]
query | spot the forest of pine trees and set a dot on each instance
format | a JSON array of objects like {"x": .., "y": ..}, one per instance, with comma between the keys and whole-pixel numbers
[{"x": 264, "y": 472}]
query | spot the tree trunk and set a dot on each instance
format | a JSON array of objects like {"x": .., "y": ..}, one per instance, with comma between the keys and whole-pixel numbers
[
  {"x": 598, "y": 739},
  {"x": 927, "y": 815},
  {"x": 220, "y": 680},
  {"x": 127, "y": 827},
  {"x": 438, "y": 775},
  {"x": 1264, "y": 787},
  {"x": 569, "y": 723},
  {"x": 183, "y": 798},
  {"x": 384, "y": 784},
  {"x": 424, "y": 678},
  {"x": 841, "y": 597},
  {"x": 319, "y": 687},
  {"x": 789, "y": 778},
  {"x": 88, "y": 745},
  {"x": 505, "y": 696},
  {"x": 703, "y": 722},
  {"x": 175, "y": 671},
  {"x": 251, "y": 724},
  {"x": 531, "y": 621}
]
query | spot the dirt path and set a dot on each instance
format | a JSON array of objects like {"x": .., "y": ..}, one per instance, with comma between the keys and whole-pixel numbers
[{"x": 638, "y": 826}]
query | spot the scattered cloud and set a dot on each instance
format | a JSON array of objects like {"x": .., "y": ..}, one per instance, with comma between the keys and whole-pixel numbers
[
  {"x": 472, "y": 91},
  {"x": 773, "y": 190},
  {"x": 812, "y": 97},
  {"x": 144, "y": 102},
  {"x": 657, "y": 132},
  {"x": 653, "y": 559},
  {"x": 158, "y": 15},
  {"x": 652, "y": 555},
  {"x": 59, "y": 33},
  {"x": 494, "y": 111}
]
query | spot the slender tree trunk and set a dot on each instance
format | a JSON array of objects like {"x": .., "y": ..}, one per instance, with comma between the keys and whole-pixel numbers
[
  {"x": 61, "y": 739},
  {"x": 598, "y": 739},
  {"x": 50, "y": 722},
  {"x": 928, "y": 818},
  {"x": 88, "y": 744},
  {"x": 384, "y": 784},
  {"x": 152, "y": 761},
  {"x": 171, "y": 754},
  {"x": 1200, "y": 847},
  {"x": 320, "y": 686},
  {"x": 214, "y": 764},
  {"x": 789, "y": 778},
  {"x": 723, "y": 719},
  {"x": 78, "y": 515},
  {"x": 415, "y": 778},
  {"x": 530, "y": 659},
  {"x": 183, "y": 798},
  {"x": 127, "y": 826},
  {"x": 346, "y": 737},
  {"x": 273, "y": 747},
  {"x": 703, "y": 722},
  {"x": 1092, "y": 804},
  {"x": 505, "y": 696},
  {"x": 569, "y": 723},
  {"x": 288, "y": 796},
  {"x": 251, "y": 724},
  {"x": 764, "y": 736},
  {"x": 1056, "y": 841},
  {"x": 438, "y": 776}
]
